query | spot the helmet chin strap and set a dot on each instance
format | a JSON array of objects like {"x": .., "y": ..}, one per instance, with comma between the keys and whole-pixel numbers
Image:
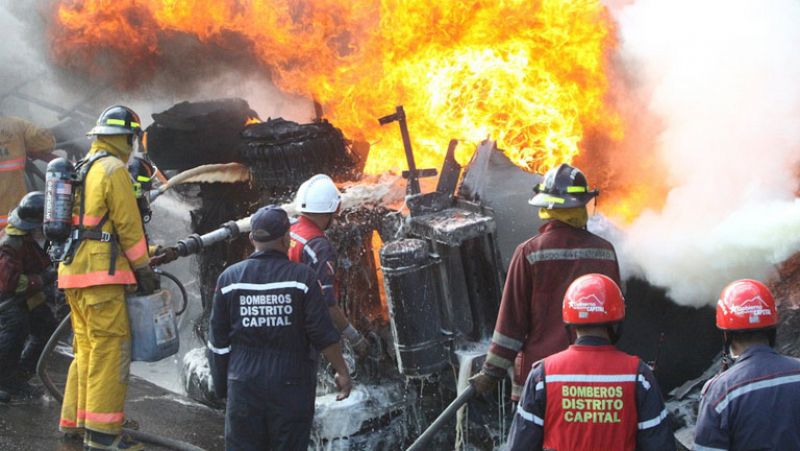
[{"x": 728, "y": 359}]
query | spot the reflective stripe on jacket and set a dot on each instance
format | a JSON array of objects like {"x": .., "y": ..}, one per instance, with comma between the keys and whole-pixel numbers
[
  {"x": 108, "y": 191},
  {"x": 755, "y": 404},
  {"x": 590, "y": 399},
  {"x": 18, "y": 139},
  {"x": 529, "y": 325},
  {"x": 578, "y": 404},
  {"x": 311, "y": 247},
  {"x": 267, "y": 321}
]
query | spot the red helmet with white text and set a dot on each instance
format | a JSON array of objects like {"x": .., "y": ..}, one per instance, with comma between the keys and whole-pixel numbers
[
  {"x": 593, "y": 299},
  {"x": 746, "y": 305}
]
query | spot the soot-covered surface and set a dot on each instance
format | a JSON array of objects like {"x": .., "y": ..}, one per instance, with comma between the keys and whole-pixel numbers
[
  {"x": 282, "y": 154},
  {"x": 196, "y": 133},
  {"x": 691, "y": 340}
]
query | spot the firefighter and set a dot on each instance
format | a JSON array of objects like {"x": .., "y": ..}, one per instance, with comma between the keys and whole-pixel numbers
[
  {"x": 755, "y": 404},
  {"x": 19, "y": 139},
  {"x": 318, "y": 201},
  {"x": 267, "y": 320},
  {"x": 26, "y": 321},
  {"x": 110, "y": 255},
  {"x": 142, "y": 173},
  {"x": 528, "y": 324},
  {"x": 591, "y": 396}
]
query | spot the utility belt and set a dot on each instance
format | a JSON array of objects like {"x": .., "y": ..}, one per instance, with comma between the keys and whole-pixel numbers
[{"x": 79, "y": 234}]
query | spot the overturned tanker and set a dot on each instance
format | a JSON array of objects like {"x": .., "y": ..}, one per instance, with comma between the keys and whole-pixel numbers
[{"x": 423, "y": 284}]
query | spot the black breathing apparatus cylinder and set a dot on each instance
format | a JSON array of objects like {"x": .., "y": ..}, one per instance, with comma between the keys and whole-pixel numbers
[
  {"x": 142, "y": 173},
  {"x": 59, "y": 187}
]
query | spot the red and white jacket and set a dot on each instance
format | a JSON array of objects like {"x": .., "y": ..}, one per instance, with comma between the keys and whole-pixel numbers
[
  {"x": 591, "y": 397},
  {"x": 311, "y": 247}
]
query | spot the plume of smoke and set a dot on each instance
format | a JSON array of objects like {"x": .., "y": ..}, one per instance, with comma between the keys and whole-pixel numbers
[
  {"x": 725, "y": 78},
  {"x": 18, "y": 58},
  {"x": 194, "y": 72}
]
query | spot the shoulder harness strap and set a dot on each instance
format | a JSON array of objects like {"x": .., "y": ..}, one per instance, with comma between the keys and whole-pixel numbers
[{"x": 96, "y": 233}]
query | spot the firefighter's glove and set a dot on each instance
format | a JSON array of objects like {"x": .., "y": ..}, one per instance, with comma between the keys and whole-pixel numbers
[
  {"x": 484, "y": 383},
  {"x": 357, "y": 341},
  {"x": 164, "y": 255},
  {"x": 361, "y": 346},
  {"x": 147, "y": 280}
]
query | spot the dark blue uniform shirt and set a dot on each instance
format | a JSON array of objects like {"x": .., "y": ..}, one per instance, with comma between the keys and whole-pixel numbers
[
  {"x": 653, "y": 431},
  {"x": 754, "y": 405},
  {"x": 267, "y": 320}
]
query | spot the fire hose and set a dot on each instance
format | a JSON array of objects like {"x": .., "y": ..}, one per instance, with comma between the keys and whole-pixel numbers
[
  {"x": 184, "y": 294},
  {"x": 422, "y": 441},
  {"x": 195, "y": 243},
  {"x": 62, "y": 330}
]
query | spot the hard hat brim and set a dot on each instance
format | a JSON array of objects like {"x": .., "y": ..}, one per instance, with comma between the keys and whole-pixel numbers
[
  {"x": 561, "y": 201},
  {"x": 20, "y": 223},
  {"x": 317, "y": 210},
  {"x": 105, "y": 130},
  {"x": 764, "y": 328}
]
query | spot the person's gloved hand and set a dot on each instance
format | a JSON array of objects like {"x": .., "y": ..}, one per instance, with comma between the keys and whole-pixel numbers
[
  {"x": 147, "y": 280},
  {"x": 164, "y": 255},
  {"x": 357, "y": 341},
  {"x": 361, "y": 346},
  {"x": 484, "y": 383}
]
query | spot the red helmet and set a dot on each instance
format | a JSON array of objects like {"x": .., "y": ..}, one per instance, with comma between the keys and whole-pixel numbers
[
  {"x": 746, "y": 305},
  {"x": 593, "y": 299}
]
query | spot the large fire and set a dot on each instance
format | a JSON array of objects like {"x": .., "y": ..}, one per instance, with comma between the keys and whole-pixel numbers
[{"x": 531, "y": 75}]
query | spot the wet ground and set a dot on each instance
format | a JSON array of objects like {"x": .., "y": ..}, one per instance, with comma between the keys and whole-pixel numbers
[{"x": 33, "y": 425}]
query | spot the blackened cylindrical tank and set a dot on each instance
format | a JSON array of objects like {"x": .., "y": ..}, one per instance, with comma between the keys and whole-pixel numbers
[
  {"x": 282, "y": 154},
  {"x": 413, "y": 298}
]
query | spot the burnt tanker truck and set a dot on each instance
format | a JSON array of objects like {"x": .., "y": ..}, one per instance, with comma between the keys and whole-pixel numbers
[{"x": 420, "y": 273}]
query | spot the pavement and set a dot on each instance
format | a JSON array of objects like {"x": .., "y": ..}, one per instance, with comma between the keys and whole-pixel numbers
[{"x": 33, "y": 425}]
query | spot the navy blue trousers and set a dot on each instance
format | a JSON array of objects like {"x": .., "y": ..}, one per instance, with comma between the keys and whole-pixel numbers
[
  {"x": 23, "y": 335},
  {"x": 269, "y": 417}
]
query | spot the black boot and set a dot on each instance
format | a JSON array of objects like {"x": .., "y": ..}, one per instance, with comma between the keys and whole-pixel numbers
[
  {"x": 18, "y": 388},
  {"x": 95, "y": 441}
]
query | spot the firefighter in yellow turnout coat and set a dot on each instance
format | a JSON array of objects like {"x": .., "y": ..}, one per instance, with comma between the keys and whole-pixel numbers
[
  {"x": 18, "y": 140},
  {"x": 112, "y": 253}
]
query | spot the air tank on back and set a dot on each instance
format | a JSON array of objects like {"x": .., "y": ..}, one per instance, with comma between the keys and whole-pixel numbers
[
  {"x": 414, "y": 300},
  {"x": 59, "y": 183}
]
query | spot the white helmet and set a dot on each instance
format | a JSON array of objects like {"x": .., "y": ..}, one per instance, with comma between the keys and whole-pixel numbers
[{"x": 318, "y": 195}]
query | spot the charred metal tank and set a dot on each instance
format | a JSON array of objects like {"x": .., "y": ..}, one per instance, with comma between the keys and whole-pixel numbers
[
  {"x": 191, "y": 134},
  {"x": 463, "y": 236},
  {"x": 282, "y": 154},
  {"x": 413, "y": 296}
]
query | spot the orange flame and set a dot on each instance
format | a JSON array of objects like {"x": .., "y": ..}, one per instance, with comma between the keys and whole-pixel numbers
[
  {"x": 529, "y": 74},
  {"x": 252, "y": 120}
]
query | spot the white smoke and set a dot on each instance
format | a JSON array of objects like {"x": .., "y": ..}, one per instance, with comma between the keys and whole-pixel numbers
[{"x": 725, "y": 80}]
